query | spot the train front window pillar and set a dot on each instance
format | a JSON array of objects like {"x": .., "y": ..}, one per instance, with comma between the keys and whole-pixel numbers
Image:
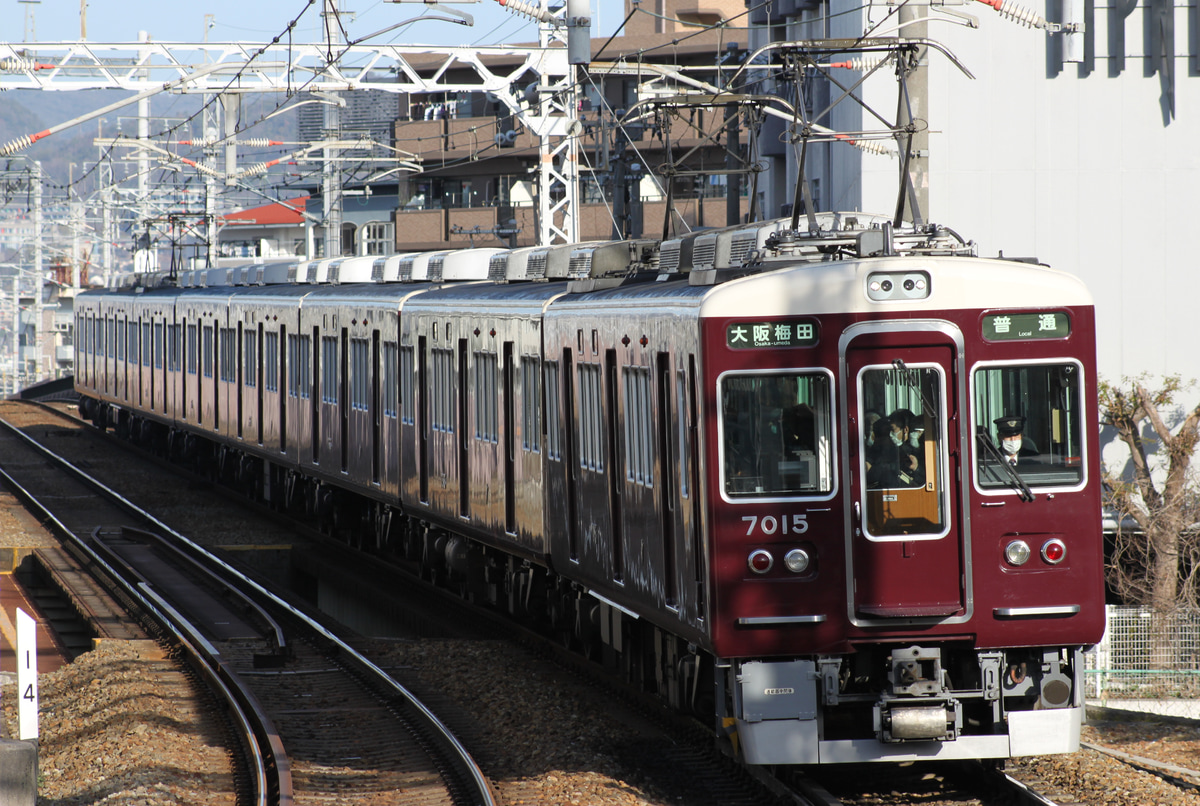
[{"x": 776, "y": 434}]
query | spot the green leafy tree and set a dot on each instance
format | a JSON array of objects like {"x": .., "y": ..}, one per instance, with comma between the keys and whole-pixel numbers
[{"x": 1157, "y": 566}]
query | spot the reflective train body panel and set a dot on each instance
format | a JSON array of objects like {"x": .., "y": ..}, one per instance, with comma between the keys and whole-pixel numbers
[{"x": 774, "y": 491}]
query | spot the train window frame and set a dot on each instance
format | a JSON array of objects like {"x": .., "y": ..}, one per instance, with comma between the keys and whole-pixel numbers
[
  {"x": 146, "y": 348},
  {"x": 360, "y": 374},
  {"x": 1003, "y": 489},
  {"x": 486, "y": 396},
  {"x": 531, "y": 404},
  {"x": 206, "y": 350},
  {"x": 940, "y": 486},
  {"x": 389, "y": 379},
  {"x": 193, "y": 349},
  {"x": 250, "y": 353},
  {"x": 330, "y": 387},
  {"x": 638, "y": 426},
  {"x": 553, "y": 417},
  {"x": 441, "y": 393},
  {"x": 590, "y": 390},
  {"x": 408, "y": 384},
  {"x": 159, "y": 343},
  {"x": 271, "y": 361},
  {"x": 227, "y": 349},
  {"x": 825, "y": 459}
]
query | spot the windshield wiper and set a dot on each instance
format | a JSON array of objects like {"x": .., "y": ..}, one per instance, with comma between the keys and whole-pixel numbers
[{"x": 1013, "y": 477}]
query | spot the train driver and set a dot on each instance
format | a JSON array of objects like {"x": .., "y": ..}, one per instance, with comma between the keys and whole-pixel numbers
[{"x": 1014, "y": 446}]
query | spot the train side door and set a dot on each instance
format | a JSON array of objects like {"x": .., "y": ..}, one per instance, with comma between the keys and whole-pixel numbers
[{"x": 908, "y": 547}]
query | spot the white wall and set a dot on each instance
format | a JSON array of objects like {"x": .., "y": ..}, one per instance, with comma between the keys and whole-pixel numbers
[{"x": 1080, "y": 172}]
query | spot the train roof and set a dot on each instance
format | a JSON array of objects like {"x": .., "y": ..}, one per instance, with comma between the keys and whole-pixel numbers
[{"x": 842, "y": 286}]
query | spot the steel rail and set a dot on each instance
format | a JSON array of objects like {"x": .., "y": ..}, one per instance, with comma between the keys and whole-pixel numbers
[{"x": 459, "y": 755}]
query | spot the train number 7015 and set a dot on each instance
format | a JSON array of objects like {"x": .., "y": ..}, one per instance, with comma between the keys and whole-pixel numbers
[{"x": 796, "y": 524}]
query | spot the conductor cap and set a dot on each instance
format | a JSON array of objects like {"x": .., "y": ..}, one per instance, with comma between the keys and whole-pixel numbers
[{"x": 1009, "y": 426}]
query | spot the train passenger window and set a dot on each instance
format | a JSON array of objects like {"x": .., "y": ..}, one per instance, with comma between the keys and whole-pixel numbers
[
  {"x": 250, "y": 358},
  {"x": 191, "y": 349},
  {"x": 903, "y": 450},
  {"x": 360, "y": 374},
  {"x": 487, "y": 397},
  {"x": 441, "y": 393},
  {"x": 408, "y": 395},
  {"x": 681, "y": 422},
  {"x": 553, "y": 423},
  {"x": 389, "y": 392},
  {"x": 206, "y": 351},
  {"x": 531, "y": 403},
  {"x": 173, "y": 358},
  {"x": 776, "y": 434},
  {"x": 158, "y": 344},
  {"x": 591, "y": 420},
  {"x": 639, "y": 426},
  {"x": 228, "y": 354},
  {"x": 303, "y": 365},
  {"x": 1028, "y": 426},
  {"x": 271, "y": 361}
]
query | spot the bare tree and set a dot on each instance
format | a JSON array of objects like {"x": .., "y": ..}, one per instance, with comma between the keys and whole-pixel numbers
[{"x": 1157, "y": 566}]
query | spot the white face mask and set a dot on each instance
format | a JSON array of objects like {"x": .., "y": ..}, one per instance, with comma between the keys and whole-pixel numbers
[
  {"x": 897, "y": 440},
  {"x": 1011, "y": 445},
  {"x": 914, "y": 439}
]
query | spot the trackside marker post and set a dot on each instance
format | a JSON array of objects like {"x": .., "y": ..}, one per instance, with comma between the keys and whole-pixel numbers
[{"x": 27, "y": 682}]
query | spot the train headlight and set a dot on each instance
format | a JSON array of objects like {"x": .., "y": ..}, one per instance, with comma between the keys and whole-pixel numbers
[
  {"x": 1054, "y": 551},
  {"x": 796, "y": 561},
  {"x": 1017, "y": 552},
  {"x": 761, "y": 561}
]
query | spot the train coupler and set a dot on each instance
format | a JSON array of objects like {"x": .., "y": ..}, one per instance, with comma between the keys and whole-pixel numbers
[{"x": 918, "y": 720}]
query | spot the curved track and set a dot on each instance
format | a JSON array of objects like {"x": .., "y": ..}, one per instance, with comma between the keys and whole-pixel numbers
[{"x": 300, "y": 707}]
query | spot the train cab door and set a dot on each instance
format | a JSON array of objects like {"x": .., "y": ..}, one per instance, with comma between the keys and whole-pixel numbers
[{"x": 908, "y": 547}]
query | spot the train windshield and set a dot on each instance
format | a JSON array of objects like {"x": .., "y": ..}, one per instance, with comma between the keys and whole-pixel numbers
[
  {"x": 1030, "y": 419},
  {"x": 777, "y": 433},
  {"x": 903, "y": 450}
]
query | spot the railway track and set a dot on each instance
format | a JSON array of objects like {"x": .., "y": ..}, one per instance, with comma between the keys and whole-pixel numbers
[{"x": 318, "y": 720}]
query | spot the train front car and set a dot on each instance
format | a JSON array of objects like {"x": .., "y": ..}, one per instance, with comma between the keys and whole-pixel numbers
[{"x": 904, "y": 508}]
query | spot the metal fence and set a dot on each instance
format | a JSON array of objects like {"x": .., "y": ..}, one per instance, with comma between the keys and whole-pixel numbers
[{"x": 1147, "y": 662}]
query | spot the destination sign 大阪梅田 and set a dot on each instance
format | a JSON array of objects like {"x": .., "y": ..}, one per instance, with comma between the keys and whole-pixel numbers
[
  {"x": 1014, "y": 326},
  {"x": 743, "y": 335}
]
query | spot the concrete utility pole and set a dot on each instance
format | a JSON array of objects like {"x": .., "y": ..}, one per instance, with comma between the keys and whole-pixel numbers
[
  {"x": 331, "y": 171},
  {"x": 144, "y": 258}
]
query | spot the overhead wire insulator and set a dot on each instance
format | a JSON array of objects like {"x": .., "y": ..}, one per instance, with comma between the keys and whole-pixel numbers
[
  {"x": 869, "y": 146},
  {"x": 13, "y": 146},
  {"x": 259, "y": 169},
  {"x": 259, "y": 142},
  {"x": 1018, "y": 14},
  {"x": 202, "y": 167},
  {"x": 19, "y": 65},
  {"x": 200, "y": 142},
  {"x": 528, "y": 9},
  {"x": 21, "y": 143},
  {"x": 863, "y": 64}
]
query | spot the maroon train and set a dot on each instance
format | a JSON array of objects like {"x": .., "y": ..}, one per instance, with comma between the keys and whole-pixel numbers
[{"x": 768, "y": 475}]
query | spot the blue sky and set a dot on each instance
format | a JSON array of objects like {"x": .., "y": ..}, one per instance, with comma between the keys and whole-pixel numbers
[{"x": 184, "y": 21}]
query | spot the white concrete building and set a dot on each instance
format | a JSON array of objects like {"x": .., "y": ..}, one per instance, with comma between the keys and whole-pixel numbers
[{"x": 1079, "y": 164}]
